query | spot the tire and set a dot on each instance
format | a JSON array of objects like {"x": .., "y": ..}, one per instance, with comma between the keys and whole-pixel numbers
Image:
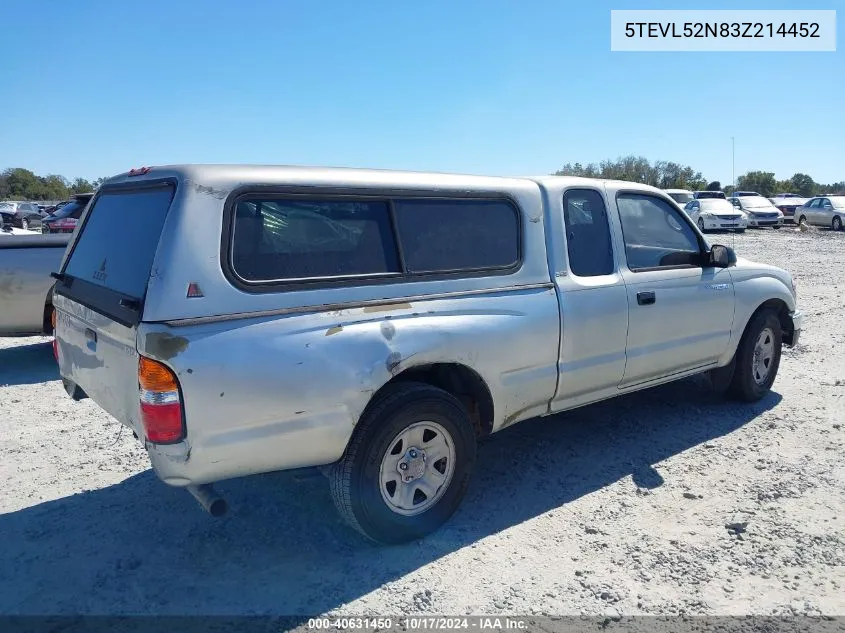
[
  {"x": 752, "y": 381},
  {"x": 836, "y": 223},
  {"x": 25, "y": 224},
  {"x": 701, "y": 225},
  {"x": 740, "y": 230},
  {"x": 802, "y": 219},
  {"x": 776, "y": 227},
  {"x": 357, "y": 487}
]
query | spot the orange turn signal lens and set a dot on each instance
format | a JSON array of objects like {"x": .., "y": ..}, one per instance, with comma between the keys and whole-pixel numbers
[{"x": 154, "y": 376}]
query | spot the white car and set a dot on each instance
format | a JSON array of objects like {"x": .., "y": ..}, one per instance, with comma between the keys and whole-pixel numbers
[
  {"x": 715, "y": 214},
  {"x": 823, "y": 211},
  {"x": 759, "y": 211},
  {"x": 681, "y": 196}
]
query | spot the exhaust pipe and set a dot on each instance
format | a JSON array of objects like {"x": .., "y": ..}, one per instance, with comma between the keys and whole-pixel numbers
[{"x": 208, "y": 498}]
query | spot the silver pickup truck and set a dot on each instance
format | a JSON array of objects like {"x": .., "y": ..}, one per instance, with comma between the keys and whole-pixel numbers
[
  {"x": 26, "y": 262},
  {"x": 250, "y": 319}
]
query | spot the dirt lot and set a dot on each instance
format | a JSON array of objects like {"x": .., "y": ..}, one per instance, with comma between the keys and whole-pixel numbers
[{"x": 618, "y": 507}]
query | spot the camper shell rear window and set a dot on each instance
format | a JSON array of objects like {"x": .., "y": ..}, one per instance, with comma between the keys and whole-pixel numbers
[
  {"x": 274, "y": 240},
  {"x": 110, "y": 263}
]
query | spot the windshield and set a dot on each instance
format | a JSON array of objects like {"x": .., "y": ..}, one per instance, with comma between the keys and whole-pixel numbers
[
  {"x": 755, "y": 202},
  {"x": 702, "y": 195},
  {"x": 681, "y": 198},
  {"x": 716, "y": 205}
]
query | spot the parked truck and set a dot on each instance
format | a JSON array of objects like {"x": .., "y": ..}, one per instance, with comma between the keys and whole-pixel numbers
[
  {"x": 26, "y": 262},
  {"x": 245, "y": 319}
]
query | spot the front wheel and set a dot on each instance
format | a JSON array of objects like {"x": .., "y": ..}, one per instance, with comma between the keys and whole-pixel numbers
[
  {"x": 740, "y": 230},
  {"x": 757, "y": 358},
  {"x": 776, "y": 227},
  {"x": 407, "y": 466},
  {"x": 25, "y": 224},
  {"x": 836, "y": 224},
  {"x": 802, "y": 220},
  {"x": 701, "y": 225}
]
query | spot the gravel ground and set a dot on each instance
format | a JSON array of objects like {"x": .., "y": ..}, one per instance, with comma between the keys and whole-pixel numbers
[{"x": 665, "y": 502}]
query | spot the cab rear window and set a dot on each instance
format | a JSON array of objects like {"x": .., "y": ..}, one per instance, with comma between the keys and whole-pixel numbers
[{"x": 118, "y": 241}]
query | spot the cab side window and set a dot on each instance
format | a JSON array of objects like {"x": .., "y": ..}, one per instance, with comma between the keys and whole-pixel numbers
[
  {"x": 587, "y": 233},
  {"x": 656, "y": 235}
]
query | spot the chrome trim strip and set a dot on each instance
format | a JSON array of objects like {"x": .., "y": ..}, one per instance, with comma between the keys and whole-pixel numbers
[{"x": 351, "y": 305}]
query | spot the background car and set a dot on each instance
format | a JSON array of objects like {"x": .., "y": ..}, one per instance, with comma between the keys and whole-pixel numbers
[
  {"x": 715, "y": 214},
  {"x": 24, "y": 215},
  {"x": 702, "y": 195},
  {"x": 823, "y": 211},
  {"x": 64, "y": 220},
  {"x": 787, "y": 203},
  {"x": 681, "y": 196},
  {"x": 759, "y": 211}
]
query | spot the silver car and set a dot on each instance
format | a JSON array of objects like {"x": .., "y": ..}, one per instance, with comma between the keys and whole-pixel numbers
[
  {"x": 759, "y": 211},
  {"x": 247, "y": 319},
  {"x": 823, "y": 211}
]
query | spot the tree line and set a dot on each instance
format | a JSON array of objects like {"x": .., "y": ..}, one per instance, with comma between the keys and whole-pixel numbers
[
  {"x": 669, "y": 175},
  {"x": 17, "y": 183}
]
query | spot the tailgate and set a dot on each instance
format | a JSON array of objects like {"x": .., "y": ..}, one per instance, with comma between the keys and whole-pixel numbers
[
  {"x": 99, "y": 296},
  {"x": 99, "y": 356}
]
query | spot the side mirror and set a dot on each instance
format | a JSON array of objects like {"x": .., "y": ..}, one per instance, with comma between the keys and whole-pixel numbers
[{"x": 721, "y": 256}]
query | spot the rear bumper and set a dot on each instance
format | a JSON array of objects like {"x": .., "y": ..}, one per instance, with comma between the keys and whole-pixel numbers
[{"x": 290, "y": 446}]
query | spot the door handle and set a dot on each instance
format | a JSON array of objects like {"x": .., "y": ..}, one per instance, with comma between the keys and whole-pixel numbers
[{"x": 646, "y": 298}]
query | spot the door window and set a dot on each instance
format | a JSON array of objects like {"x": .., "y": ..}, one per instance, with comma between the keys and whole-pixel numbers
[{"x": 655, "y": 233}]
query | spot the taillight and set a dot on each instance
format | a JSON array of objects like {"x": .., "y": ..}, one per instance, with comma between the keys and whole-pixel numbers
[{"x": 161, "y": 404}]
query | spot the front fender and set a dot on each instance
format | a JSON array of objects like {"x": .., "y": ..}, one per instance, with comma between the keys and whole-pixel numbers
[{"x": 753, "y": 289}]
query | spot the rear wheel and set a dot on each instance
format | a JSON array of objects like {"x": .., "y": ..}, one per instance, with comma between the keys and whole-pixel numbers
[
  {"x": 836, "y": 224},
  {"x": 407, "y": 466},
  {"x": 757, "y": 358}
]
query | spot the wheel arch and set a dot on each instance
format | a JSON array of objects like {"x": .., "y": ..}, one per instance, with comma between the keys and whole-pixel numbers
[
  {"x": 779, "y": 307},
  {"x": 457, "y": 379}
]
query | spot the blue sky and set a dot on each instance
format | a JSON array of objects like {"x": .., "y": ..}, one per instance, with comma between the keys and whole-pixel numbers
[{"x": 503, "y": 87}]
